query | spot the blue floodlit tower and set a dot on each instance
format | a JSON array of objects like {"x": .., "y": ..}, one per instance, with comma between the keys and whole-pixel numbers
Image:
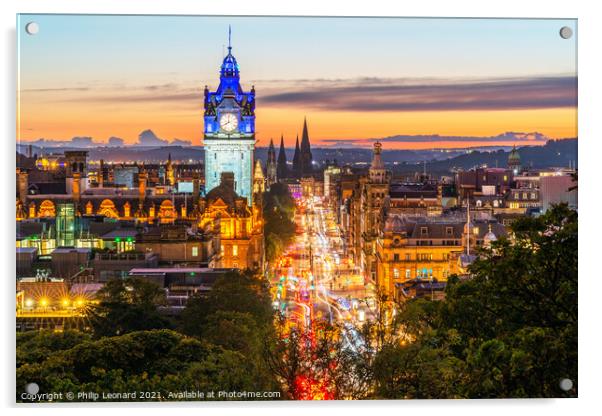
[{"x": 229, "y": 138}]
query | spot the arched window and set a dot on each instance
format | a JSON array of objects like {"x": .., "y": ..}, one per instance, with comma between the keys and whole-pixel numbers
[
  {"x": 107, "y": 208},
  {"x": 47, "y": 209},
  {"x": 167, "y": 212}
]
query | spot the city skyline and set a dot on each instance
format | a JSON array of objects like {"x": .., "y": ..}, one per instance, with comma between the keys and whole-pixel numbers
[{"x": 411, "y": 77}]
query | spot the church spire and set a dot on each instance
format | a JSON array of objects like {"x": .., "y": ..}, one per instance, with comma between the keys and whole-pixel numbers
[
  {"x": 282, "y": 170},
  {"x": 270, "y": 166},
  {"x": 297, "y": 159},
  {"x": 306, "y": 158}
]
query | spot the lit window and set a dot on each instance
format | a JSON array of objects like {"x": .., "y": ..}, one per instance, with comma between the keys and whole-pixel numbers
[
  {"x": 195, "y": 251},
  {"x": 222, "y": 250},
  {"x": 396, "y": 273},
  {"x": 235, "y": 250},
  {"x": 408, "y": 273}
]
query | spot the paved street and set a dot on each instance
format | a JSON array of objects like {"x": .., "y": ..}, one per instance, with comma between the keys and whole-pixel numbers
[{"x": 314, "y": 280}]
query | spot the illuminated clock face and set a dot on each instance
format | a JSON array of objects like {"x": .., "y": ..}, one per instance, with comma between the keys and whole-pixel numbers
[{"x": 228, "y": 122}]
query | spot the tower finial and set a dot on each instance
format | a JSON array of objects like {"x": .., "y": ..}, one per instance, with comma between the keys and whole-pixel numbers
[{"x": 229, "y": 38}]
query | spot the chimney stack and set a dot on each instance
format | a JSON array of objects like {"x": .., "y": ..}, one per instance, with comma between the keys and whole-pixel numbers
[
  {"x": 196, "y": 188},
  {"x": 227, "y": 179},
  {"x": 101, "y": 170},
  {"x": 142, "y": 177},
  {"x": 76, "y": 187}
]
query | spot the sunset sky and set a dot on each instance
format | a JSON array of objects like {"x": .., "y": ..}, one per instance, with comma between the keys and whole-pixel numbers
[{"x": 355, "y": 79}]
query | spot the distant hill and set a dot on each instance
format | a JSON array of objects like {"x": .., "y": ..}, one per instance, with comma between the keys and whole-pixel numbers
[{"x": 555, "y": 153}]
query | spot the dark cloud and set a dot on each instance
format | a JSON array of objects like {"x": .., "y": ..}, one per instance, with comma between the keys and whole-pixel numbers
[
  {"x": 369, "y": 94},
  {"x": 397, "y": 95}
]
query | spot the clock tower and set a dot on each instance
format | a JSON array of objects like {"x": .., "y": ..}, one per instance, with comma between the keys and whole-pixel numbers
[{"x": 229, "y": 137}]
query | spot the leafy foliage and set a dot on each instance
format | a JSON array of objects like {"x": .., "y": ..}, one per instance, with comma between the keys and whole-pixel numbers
[
  {"x": 127, "y": 305},
  {"x": 279, "y": 213},
  {"x": 508, "y": 331},
  {"x": 219, "y": 345}
]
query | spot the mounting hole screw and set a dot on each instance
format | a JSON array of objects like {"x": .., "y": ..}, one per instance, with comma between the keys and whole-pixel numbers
[
  {"x": 566, "y": 32},
  {"x": 32, "y": 28},
  {"x": 566, "y": 384},
  {"x": 32, "y": 388}
]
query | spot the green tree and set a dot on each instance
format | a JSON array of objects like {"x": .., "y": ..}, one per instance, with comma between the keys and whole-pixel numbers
[
  {"x": 510, "y": 330},
  {"x": 279, "y": 215},
  {"x": 127, "y": 305},
  {"x": 242, "y": 292}
]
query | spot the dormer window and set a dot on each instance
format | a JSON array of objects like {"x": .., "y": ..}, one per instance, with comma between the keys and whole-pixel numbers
[
  {"x": 424, "y": 231},
  {"x": 449, "y": 231}
]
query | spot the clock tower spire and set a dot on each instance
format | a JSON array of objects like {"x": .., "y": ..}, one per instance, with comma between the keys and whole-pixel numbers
[{"x": 229, "y": 133}]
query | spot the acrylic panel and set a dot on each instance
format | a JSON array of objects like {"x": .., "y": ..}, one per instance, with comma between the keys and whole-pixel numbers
[{"x": 294, "y": 208}]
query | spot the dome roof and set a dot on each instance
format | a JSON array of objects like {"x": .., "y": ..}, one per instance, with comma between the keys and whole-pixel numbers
[
  {"x": 224, "y": 193},
  {"x": 489, "y": 237},
  {"x": 514, "y": 156},
  {"x": 225, "y": 190},
  {"x": 229, "y": 66}
]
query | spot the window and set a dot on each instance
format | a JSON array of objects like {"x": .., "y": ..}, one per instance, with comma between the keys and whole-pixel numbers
[
  {"x": 396, "y": 257},
  {"x": 235, "y": 250},
  {"x": 532, "y": 195},
  {"x": 449, "y": 231},
  {"x": 396, "y": 273},
  {"x": 408, "y": 257},
  {"x": 408, "y": 273},
  {"x": 195, "y": 251},
  {"x": 524, "y": 195},
  {"x": 424, "y": 231},
  {"x": 222, "y": 250}
]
